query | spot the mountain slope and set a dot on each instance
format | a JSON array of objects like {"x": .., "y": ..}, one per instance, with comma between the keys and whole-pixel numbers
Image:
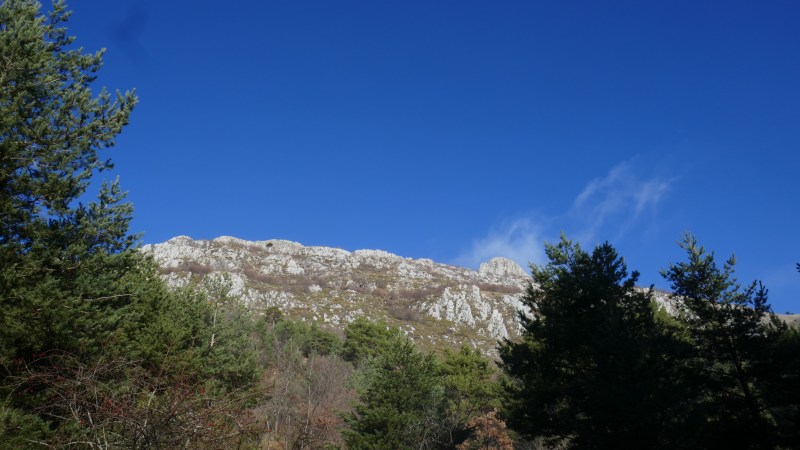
[{"x": 433, "y": 303}]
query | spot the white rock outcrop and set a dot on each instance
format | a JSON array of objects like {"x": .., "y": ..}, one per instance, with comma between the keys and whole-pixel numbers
[
  {"x": 502, "y": 268},
  {"x": 337, "y": 286},
  {"x": 455, "y": 304}
]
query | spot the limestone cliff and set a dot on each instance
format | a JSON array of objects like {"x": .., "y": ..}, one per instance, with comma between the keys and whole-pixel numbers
[{"x": 433, "y": 303}]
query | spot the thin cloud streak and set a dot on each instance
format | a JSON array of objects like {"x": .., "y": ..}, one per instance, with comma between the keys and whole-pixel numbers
[{"x": 610, "y": 206}]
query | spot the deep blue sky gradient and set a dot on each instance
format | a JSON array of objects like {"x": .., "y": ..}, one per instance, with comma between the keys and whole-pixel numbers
[{"x": 456, "y": 130}]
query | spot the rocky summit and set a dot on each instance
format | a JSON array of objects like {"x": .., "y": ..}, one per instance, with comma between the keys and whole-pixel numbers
[{"x": 435, "y": 304}]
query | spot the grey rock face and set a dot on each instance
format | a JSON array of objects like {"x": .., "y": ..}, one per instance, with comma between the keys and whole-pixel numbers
[
  {"x": 433, "y": 303},
  {"x": 502, "y": 268}
]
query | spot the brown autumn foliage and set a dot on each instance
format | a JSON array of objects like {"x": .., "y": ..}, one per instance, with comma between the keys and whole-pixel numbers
[
  {"x": 114, "y": 403},
  {"x": 305, "y": 395},
  {"x": 488, "y": 433}
]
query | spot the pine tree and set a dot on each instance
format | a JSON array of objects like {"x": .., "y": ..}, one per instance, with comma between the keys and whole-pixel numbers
[
  {"x": 471, "y": 391},
  {"x": 731, "y": 343},
  {"x": 779, "y": 376},
  {"x": 592, "y": 370},
  {"x": 60, "y": 261},
  {"x": 401, "y": 402},
  {"x": 65, "y": 267},
  {"x": 88, "y": 329},
  {"x": 365, "y": 340}
]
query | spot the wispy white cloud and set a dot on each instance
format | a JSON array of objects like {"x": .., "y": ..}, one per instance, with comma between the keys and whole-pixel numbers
[
  {"x": 609, "y": 207},
  {"x": 619, "y": 172},
  {"x": 613, "y": 204},
  {"x": 519, "y": 240}
]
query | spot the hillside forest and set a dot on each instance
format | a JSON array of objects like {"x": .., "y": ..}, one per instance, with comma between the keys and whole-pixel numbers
[{"x": 97, "y": 352}]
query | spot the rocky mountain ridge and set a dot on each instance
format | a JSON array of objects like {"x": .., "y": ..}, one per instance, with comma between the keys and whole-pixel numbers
[{"x": 433, "y": 303}]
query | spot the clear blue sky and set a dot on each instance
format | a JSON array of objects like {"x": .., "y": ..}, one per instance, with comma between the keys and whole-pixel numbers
[{"x": 463, "y": 130}]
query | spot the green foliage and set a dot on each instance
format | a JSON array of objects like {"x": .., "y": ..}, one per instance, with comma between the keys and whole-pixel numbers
[
  {"x": 272, "y": 315},
  {"x": 308, "y": 339},
  {"x": 401, "y": 401},
  {"x": 64, "y": 266},
  {"x": 600, "y": 366},
  {"x": 176, "y": 330},
  {"x": 322, "y": 342},
  {"x": 52, "y": 127},
  {"x": 410, "y": 399},
  {"x": 87, "y": 322},
  {"x": 19, "y": 429},
  {"x": 592, "y": 370},
  {"x": 730, "y": 342},
  {"x": 59, "y": 259},
  {"x": 365, "y": 339},
  {"x": 470, "y": 389},
  {"x": 780, "y": 382},
  {"x": 469, "y": 381}
]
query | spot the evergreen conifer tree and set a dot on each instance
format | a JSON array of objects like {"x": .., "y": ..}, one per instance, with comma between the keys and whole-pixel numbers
[
  {"x": 471, "y": 391},
  {"x": 61, "y": 261},
  {"x": 88, "y": 329},
  {"x": 592, "y": 370},
  {"x": 401, "y": 402},
  {"x": 731, "y": 343}
]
